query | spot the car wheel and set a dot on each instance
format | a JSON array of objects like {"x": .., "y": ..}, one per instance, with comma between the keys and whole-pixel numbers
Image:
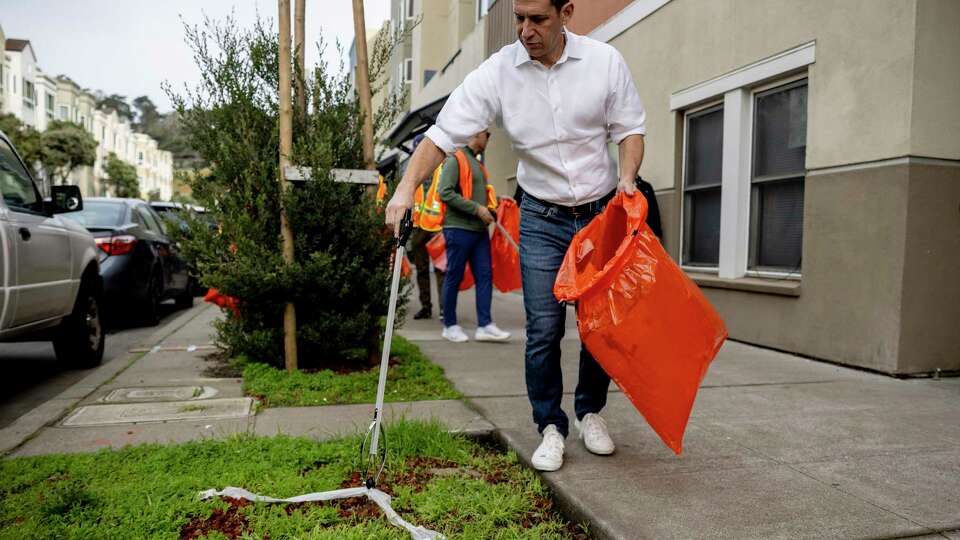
[
  {"x": 151, "y": 304},
  {"x": 80, "y": 338},
  {"x": 184, "y": 300}
]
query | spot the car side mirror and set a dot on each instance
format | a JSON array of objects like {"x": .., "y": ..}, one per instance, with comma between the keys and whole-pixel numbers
[{"x": 65, "y": 199}]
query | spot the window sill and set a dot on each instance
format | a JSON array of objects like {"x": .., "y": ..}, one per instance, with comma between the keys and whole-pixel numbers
[{"x": 778, "y": 287}]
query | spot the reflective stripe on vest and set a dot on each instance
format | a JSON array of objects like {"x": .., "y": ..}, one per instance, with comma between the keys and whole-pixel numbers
[{"x": 431, "y": 218}]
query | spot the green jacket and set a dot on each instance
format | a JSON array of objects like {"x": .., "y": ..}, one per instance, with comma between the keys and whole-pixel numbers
[{"x": 462, "y": 212}]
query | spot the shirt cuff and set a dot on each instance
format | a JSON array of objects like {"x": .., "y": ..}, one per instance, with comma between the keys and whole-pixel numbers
[
  {"x": 621, "y": 135},
  {"x": 441, "y": 139}
]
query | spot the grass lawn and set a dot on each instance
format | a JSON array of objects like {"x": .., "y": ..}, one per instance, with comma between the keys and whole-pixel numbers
[
  {"x": 440, "y": 481},
  {"x": 411, "y": 378}
]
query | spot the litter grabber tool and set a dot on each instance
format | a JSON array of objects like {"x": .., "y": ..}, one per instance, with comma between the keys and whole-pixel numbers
[
  {"x": 507, "y": 235},
  {"x": 372, "y": 461},
  {"x": 373, "y": 454}
]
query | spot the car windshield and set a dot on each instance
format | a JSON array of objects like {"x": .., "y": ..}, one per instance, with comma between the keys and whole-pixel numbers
[{"x": 98, "y": 214}]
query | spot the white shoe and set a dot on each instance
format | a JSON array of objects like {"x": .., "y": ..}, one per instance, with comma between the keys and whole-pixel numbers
[
  {"x": 490, "y": 332},
  {"x": 549, "y": 455},
  {"x": 455, "y": 334},
  {"x": 593, "y": 431}
]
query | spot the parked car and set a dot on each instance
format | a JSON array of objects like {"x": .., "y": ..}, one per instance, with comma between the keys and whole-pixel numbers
[
  {"x": 175, "y": 214},
  {"x": 51, "y": 287},
  {"x": 140, "y": 265}
]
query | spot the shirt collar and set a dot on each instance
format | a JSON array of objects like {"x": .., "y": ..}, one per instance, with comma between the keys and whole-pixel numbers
[{"x": 571, "y": 49}]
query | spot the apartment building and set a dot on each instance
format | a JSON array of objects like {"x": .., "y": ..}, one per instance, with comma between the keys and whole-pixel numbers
[
  {"x": 37, "y": 98},
  {"x": 806, "y": 157}
]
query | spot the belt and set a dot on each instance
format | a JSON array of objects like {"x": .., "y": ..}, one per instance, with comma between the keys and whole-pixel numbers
[{"x": 581, "y": 209}]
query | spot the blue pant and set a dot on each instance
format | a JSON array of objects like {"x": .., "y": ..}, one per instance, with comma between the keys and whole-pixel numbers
[
  {"x": 545, "y": 235},
  {"x": 463, "y": 246}
]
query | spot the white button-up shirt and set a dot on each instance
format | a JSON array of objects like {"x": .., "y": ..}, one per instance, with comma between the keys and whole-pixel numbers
[{"x": 559, "y": 119}]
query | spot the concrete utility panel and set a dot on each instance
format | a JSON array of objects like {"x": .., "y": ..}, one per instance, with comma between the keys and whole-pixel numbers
[
  {"x": 100, "y": 415},
  {"x": 161, "y": 393}
]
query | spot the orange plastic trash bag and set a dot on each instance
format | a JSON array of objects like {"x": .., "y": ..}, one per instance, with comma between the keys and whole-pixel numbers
[
  {"x": 225, "y": 302},
  {"x": 504, "y": 257},
  {"x": 405, "y": 270},
  {"x": 640, "y": 316},
  {"x": 437, "y": 249}
]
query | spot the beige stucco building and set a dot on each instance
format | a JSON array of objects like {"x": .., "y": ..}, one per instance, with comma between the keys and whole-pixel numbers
[
  {"x": 806, "y": 157},
  {"x": 37, "y": 98}
]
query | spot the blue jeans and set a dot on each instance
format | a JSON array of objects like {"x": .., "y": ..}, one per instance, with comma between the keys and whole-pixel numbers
[
  {"x": 463, "y": 246},
  {"x": 545, "y": 235}
]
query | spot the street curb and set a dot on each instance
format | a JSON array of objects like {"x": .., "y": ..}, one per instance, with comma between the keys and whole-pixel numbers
[{"x": 24, "y": 428}]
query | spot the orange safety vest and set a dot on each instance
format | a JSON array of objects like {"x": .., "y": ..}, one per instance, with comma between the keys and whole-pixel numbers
[
  {"x": 417, "y": 205},
  {"x": 431, "y": 216},
  {"x": 381, "y": 193}
]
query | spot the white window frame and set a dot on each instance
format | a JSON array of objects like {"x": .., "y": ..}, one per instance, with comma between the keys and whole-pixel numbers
[
  {"x": 737, "y": 90},
  {"x": 408, "y": 10},
  {"x": 407, "y": 70},
  {"x": 683, "y": 182}
]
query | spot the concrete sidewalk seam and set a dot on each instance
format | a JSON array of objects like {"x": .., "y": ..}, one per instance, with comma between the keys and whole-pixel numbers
[{"x": 113, "y": 370}]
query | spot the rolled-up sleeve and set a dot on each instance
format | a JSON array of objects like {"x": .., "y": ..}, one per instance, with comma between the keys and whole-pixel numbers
[
  {"x": 471, "y": 108},
  {"x": 625, "y": 113}
]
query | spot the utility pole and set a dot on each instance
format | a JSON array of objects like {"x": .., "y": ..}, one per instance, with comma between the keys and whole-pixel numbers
[
  {"x": 363, "y": 83},
  {"x": 299, "y": 18},
  {"x": 286, "y": 147}
]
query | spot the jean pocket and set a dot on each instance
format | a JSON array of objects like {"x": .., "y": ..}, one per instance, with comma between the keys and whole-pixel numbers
[{"x": 528, "y": 204}]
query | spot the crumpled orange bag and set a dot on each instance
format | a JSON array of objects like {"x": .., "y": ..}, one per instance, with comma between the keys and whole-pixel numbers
[
  {"x": 504, "y": 257},
  {"x": 437, "y": 249},
  {"x": 225, "y": 302},
  {"x": 640, "y": 316}
]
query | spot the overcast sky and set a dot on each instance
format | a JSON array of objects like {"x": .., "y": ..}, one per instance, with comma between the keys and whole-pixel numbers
[{"x": 129, "y": 47}]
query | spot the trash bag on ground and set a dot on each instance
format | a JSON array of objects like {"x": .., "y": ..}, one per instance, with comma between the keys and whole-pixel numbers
[
  {"x": 640, "y": 316},
  {"x": 437, "y": 249},
  {"x": 504, "y": 257}
]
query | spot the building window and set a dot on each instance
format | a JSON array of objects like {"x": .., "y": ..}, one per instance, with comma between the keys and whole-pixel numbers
[
  {"x": 407, "y": 70},
  {"x": 64, "y": 112},
  {"x": 29, "y": 94},
  {"x": 779, "y": 168},
  {"x": 703, "y": 176},
  {"x": 427, "y": 75},
  {"x": 483, "y": 6},
  {"x": 50, "y": 104},
  {"x": 408, "y": 8}
]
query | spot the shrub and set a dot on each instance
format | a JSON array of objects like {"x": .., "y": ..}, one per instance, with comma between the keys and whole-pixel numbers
[{"x": 339, "y": 281}]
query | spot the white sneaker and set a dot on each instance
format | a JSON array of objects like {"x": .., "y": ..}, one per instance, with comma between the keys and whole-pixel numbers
[
  {"x": 593, "y": 431},
  {"x": 490, "y": 332},
  {"x": 549, "y": 455},
  {"x": 455, "y": 334}
]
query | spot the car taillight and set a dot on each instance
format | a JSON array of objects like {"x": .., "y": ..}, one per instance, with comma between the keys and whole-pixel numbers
[{"x": 117, "y": 245}]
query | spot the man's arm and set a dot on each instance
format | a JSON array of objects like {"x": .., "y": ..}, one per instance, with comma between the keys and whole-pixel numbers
[
  {"x": 631, "y": 156},
  {"x": 425, "y": 159}
]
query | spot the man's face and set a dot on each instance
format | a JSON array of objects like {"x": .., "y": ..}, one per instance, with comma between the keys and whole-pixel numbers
[
  {"x": 479, "y": 141},
  {"x": 540, "y": 26}
]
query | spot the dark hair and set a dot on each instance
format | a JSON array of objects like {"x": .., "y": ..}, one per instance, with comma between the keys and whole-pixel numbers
[{"x": 559, "y": 3}]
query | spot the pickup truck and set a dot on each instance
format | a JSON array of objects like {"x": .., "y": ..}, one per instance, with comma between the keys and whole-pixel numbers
[{"x": 50, "y": 285}]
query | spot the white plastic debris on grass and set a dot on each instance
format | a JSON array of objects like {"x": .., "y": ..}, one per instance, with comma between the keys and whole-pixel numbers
[{"x": 380, "y": 498}]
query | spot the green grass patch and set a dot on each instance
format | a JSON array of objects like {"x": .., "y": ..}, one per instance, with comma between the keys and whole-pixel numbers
[
  {"x": 440, "y": 481},
  {"x": 412, "y": 378}
]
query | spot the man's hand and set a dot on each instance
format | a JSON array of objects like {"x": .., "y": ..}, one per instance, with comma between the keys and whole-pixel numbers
[
  {"x": 484, "y": 214},
  {"x": 627, "y": 186},
  {"x": 402, "y": 200}
]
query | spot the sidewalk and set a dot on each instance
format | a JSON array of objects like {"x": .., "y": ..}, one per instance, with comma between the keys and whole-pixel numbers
[
  {"x": 777, "y": 447},
  {"x": 160, "y": 393}
]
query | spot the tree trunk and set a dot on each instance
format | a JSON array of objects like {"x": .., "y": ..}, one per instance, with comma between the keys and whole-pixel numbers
[
  {"x": 363, "y": 83},
  {"x": 286, "y": 146}
]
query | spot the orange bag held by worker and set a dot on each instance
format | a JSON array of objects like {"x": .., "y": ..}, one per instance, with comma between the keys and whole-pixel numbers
[
  {"x": 640, "y": 316},
  {"x": 437, "y": 249},
  {"x": 504, "y": 257}
]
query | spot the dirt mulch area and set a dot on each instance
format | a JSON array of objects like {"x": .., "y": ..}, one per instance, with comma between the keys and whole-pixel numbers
[
  {"x": 231, "y": 522},
  {"x": 220, "y": 367}
]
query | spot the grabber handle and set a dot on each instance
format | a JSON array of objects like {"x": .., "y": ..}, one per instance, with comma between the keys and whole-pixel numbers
[{"x": 406, "y": 227}]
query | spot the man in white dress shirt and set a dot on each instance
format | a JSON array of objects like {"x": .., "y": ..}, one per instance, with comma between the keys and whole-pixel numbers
[{"x": 560, "y": 97}]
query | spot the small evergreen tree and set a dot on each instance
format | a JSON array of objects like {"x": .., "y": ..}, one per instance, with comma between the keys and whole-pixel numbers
[{"x": 339, "y": 282}]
